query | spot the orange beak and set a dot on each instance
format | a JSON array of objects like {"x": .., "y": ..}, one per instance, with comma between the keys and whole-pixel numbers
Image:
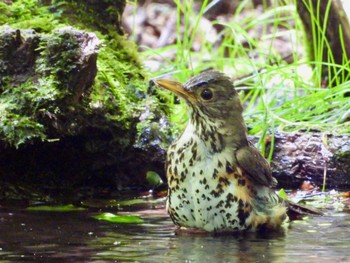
[{"x": 175, "y": 87}]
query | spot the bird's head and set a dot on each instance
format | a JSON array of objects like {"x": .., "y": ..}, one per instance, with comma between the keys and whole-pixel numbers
[
  {"x": 215, "y": 108},
  {"x": 210, "y": 94},
  {"x": 214, "y": 104}
]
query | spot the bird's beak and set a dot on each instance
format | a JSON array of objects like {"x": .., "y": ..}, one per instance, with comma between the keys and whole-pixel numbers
[{"x": 175, "y": 87}]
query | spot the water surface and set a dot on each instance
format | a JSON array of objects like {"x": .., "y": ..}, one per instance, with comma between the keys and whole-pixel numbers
[{"x": 76, "y": 237}]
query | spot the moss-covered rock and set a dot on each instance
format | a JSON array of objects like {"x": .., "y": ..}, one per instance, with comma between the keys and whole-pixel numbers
[
  {"x": 43, "y": 79},
  {"x": 75, "y": 109}
]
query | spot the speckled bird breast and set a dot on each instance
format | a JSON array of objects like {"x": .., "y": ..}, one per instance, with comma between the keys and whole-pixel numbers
[{"x": 205, "y": 189}]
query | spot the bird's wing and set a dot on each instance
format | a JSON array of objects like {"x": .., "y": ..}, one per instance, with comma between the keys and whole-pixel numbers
[{"x": 255, "y": 166}]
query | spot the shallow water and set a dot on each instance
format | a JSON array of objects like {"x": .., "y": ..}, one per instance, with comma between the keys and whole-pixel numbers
[{"x": 76, "y": 237}]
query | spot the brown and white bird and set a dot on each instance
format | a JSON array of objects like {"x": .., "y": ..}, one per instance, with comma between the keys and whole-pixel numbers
[{"x": 218, "y": 181}]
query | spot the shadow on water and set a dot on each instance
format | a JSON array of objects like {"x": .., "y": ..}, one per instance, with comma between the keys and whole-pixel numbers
[{"x": 75, "y": 237}]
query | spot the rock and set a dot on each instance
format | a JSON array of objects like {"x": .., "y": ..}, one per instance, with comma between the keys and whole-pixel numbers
[{"x": 68, "y": 120}]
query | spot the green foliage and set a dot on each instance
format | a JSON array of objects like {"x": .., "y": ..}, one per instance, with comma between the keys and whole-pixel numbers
[
  {"x": 319, "y": 45},
  {"x": 32, "y": 93},
  {"x": 19, "y": 106},
  {"x": 18, "y": 129},
  {"x": 5, "y": 13},
  {"x": 190, "y": 28}
]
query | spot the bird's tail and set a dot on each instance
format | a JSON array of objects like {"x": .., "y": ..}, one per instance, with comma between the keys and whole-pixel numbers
[{"x": 297, "y": 211}]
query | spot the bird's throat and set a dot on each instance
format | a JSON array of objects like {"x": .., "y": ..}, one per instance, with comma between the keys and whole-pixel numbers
[
  {"x": 208, "y": 133},
  {"x": 218, "y": 134}
]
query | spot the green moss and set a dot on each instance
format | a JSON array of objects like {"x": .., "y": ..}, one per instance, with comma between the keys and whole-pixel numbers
[
  {"x": 5, "y": 42},
  {"x": 120, "y": 89},
  {"x": 29, "y": 14},
  {"x": 15, "y": 125},
  {"x": 20, "y": 108},
  {"x": 38, "y": 89},
  {"x": 5, "y": 13},
  {"x": 103, "y": 16},
  {"x": 59, "y": 59},
  {"x": 119, "y": 80},
  {"x": 18, "y": 129}
]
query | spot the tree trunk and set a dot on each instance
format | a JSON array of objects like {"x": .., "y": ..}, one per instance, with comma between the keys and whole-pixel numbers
[{"x": 328, "y": 32}]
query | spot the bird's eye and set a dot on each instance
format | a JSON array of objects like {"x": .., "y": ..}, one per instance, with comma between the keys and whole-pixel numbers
[{"x": 207, "y": 94}]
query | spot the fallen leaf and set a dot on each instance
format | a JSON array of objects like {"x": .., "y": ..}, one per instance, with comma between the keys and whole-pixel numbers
[{"x": 121, "y": 219}]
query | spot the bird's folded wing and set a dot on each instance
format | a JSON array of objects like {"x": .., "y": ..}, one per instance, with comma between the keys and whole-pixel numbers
[{"x": 255, "y": 166}]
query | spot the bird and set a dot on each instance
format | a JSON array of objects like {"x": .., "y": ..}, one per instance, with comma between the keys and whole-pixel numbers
[{"x": 217, "y": 180}]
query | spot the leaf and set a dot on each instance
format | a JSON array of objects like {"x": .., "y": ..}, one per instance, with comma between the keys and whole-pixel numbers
[
  {"x": 102, "y": 203},
  {"x": 60, "y": 208},
  {"x": 153, "y": 178},
  {"x": 121, "y": 219},
  {"x": 282, "y": 194}
]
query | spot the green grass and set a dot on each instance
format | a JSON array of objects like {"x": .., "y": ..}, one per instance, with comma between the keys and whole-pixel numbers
[{"x": 277, "y": 95}]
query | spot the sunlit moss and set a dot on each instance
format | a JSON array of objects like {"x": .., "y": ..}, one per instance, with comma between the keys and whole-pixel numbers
[
  {"x": 120, "y": 88},
  {"x": 29, "y": 14},
  {"x": 34, "y": 88},
  {"x": 59, "y": 59},
  {"x": 5, "y": 13}
]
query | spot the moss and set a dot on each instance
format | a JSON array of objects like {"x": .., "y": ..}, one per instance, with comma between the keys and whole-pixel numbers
[
  {"x": 19, "y": 105},
  {"x": 120, "y": 81},
  {"x": 120, "y": 89},
  {"x": 18, "y": 129},
  {"x": 57, "y": 62},
  {"x": 38, "y": 85},
  {"x": 5, "y": 13},
  {"x": 59, "y": 59},
  {"x": 103, "y": 15},
  {"x": 29, "y": 14},
  {"x": 113, "y": 126}
]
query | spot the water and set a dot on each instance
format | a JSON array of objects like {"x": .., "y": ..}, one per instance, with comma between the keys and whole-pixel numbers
[{"x": 75, "y": 237}]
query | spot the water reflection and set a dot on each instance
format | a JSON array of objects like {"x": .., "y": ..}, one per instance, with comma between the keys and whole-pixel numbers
[
  {"x": 76, "y": 237},
  {"x": 226, "y": 249}
]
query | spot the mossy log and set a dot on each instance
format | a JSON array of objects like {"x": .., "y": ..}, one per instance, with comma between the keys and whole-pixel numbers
[
  {"x": 300, "y": 157},
  {"x": 44, "y": 79},
  {"x": 55, "y": 134},
  {"x": 73, "y": 113}
]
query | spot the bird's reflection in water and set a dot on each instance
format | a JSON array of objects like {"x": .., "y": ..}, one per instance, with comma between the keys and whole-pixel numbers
[{"x": 247, "y": 247}]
